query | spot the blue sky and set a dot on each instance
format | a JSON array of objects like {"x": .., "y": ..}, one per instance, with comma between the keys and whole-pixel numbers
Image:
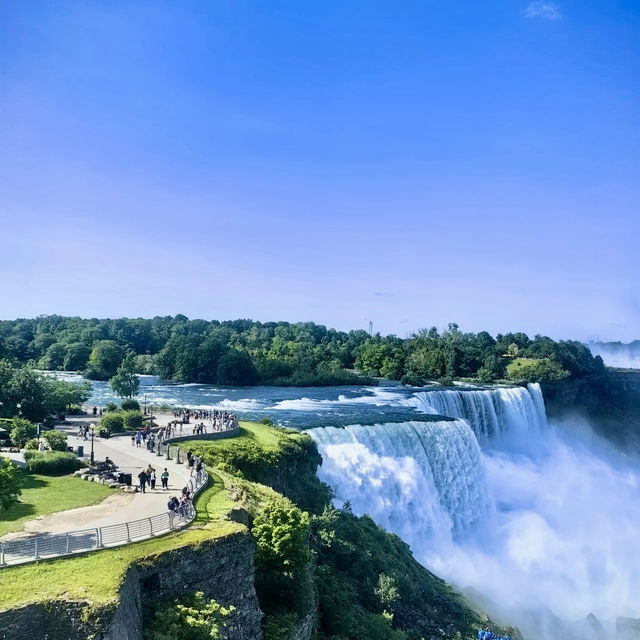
[{"x": 410, "y": 163}]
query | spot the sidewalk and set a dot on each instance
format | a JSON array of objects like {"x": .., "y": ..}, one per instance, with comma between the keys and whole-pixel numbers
[{"x": 120, "y": 507}]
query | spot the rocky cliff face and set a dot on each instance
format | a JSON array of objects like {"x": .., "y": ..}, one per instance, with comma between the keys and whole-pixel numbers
[
  {"x": 221, "y": 568},
  {"x": 610, "y": 403}
]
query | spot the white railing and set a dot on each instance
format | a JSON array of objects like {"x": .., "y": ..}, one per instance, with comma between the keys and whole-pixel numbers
[{"x": 55, "y": 545}]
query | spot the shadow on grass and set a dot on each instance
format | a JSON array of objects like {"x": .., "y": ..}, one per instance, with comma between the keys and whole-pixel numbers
[{"x": 23, "y": 509}]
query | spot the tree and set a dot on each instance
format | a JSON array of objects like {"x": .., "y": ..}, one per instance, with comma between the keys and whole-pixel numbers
[
  {"x": 21, "y": 431},
  {"x": 236, "y": 368},
  {"x": 57, "y": 440},
  {"x": 125, "y": 383},
  {"x": 281, "y": 531},
  {"x": 112, "y": 421},
  {"x": 104, "y": 360},
  {"x": 9, "y": 484},
  {"x": 77, "y": 357},
  {"x": 192, "y": 619}
]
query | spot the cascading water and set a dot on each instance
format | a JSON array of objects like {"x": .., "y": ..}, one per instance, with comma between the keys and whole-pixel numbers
[
  {"x": 415, "y": 478},
  {"x": 543, "y": 534},
  {"x": 490, "y": 412}
]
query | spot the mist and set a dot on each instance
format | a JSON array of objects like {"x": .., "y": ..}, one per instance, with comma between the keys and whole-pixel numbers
[{"x": 541, "y": 531}]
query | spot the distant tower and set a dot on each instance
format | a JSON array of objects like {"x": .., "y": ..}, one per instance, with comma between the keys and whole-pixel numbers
[{"x": 371, "y": 328}]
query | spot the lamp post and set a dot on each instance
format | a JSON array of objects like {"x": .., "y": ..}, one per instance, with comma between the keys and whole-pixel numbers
[{"x": 93, "y": 430}]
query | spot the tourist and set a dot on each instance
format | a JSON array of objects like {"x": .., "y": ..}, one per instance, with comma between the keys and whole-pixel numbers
[
  {"x": 133, "y": 439},
  {"x": 199, "y": 468},
  {"x": 149, "y": 471},
  {"x": 164, "y": 478},
  {"x": 142, "y": 477},
  {"x": 153, "y": 478}
]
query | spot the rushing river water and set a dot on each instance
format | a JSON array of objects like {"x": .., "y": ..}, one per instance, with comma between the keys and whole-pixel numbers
[{"x": 539, "y": 523}]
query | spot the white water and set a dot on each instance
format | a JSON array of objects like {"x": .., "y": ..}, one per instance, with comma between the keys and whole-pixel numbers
[
  {"x": 550, "y": 532},
  {"x": 490, "y": 412}
]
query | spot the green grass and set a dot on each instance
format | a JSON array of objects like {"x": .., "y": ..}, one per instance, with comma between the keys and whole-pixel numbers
[
  {"x": 97, "y": 576},
  {"x": 516, "y": 365},
  {"x": 42, "y": 495},
  {"x": 267, "y": 437}
]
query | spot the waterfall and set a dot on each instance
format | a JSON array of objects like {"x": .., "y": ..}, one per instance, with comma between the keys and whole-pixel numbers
[
  {"x": 490, "y": 412},
  {"x": 424, "y": 481}
]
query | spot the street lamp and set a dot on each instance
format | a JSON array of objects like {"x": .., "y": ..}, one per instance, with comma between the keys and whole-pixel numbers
[{"x": 93, "y": 430}]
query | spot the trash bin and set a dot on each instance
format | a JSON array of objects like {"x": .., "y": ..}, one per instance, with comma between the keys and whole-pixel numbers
[
  {"x": 124, "y": 478},
  {"x": 80, "y": 451}
]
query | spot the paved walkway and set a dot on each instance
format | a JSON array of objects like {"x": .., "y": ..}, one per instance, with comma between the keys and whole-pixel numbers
[{"x": 128, "y": 459}]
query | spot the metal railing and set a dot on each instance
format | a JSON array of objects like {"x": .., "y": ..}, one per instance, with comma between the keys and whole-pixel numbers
[{"x": 39, "y": 547}]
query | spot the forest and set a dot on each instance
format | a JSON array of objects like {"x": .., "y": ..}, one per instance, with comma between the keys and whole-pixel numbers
[{"x": 245, "y": 352}]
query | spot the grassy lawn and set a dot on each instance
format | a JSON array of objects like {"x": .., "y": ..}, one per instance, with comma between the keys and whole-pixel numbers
[
  {"x": 265, "y": 436},
  {"x": 97, "y": 576},
  {"x": 47, "y": 494},
  {"x": 518, "y": 364}
]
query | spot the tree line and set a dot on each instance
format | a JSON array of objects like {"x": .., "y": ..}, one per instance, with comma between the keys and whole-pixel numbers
[{"x": 244, "y": 352}]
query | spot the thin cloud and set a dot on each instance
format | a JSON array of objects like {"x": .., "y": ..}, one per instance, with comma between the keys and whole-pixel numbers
[
  {"x": 546, "y": 10},
  {"x": 383, "y": 294}
]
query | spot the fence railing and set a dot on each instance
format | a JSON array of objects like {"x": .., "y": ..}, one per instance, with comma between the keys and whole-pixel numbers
[{"x": 54, "y": 545}]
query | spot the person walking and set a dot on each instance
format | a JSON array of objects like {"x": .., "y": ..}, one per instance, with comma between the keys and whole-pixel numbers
[
  {"x": 142, "y": 477},
  {"x": 164, "y": 478},
  {"x": 153, "y": 479}
]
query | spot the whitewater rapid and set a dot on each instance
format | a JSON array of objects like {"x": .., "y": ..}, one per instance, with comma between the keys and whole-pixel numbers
[{"x": 544, "y": 533}]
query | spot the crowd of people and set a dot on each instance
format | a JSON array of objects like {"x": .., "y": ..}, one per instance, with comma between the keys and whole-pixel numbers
[
  {"x": 487, "y": 634},
  {"x": 213, "y": 419}
]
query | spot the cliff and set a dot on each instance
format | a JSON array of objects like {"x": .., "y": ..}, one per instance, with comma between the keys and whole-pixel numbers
[
  {"x": 610, "y": 403},
  {"x": 221, "y": 568}
]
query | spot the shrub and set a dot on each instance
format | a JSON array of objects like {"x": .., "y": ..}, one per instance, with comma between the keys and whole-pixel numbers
[
  {"x": 113, "y": 421},
  {"x": 32, "y": 445},
  {"x": 57, "y": 440},
  {"x": 111, "y": 406},
  {"x": 192, "y": 619},
  {"x": 21, "y": 431},
  {"x": 9, "y": 484},
  {"x": 130, "y": 404},
  {"x": 51, "y": 463},
  {"x": 132, "y": 420}
]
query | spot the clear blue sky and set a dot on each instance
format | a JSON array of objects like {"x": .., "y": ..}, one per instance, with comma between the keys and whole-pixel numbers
[{"x": 410, "y": 163}]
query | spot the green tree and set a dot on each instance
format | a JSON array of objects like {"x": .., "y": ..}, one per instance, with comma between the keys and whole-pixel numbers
[
  {"x": 125, "y": 383},
  {"x": 192, "y": 618},
  {"x": 57, "y": 440},
  {"x": 104, "y": 360},
  {"x": 113, "y": 421},
  {"x": 132, "y": 420},
  {"x": 21, "y": 431},
  {"x": 76, "y": 357},
  {"x": 9, "y": 484}
]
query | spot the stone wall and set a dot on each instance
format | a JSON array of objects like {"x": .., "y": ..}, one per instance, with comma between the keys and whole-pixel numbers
[{"x": 221, "y": 568}]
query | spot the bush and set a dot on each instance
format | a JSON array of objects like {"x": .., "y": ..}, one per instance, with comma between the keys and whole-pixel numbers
[
  {"x": 130, "y": 404},
  {"x": 57, "y": 440},
  {"x": 9, "y": 484},
  {"x": 132, "y": 420},
  {"x": 193, "y": 618},
  {"x": 51, "y": 463},
  {"x": 111, "y": 406},
  {"x": 21, "y": 431},
  {"x": 113, "y": 421},
  {"x": 32, "y": 445}
]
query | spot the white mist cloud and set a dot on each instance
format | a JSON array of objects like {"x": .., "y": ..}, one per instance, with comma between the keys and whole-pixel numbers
[{"x": 546, "y": 10}]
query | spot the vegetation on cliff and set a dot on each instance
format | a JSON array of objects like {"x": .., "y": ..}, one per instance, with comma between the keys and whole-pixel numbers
[{"x": 363, "y": 581}]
